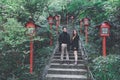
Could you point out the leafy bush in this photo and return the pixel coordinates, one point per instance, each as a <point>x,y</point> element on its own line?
<point>41,57</point>
<point>107,68</point>
<point>14,32</point>
<point>14,53</point>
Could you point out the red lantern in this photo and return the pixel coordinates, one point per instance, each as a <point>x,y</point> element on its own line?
<point>57,20</point>
<point>31,32</point>
<point>105,29</point>
<point>86,21</point>
<point>30,28</point>
<point>72,17</point>
<point>81,24</point>
<point>56,17</point>
<point>104,32</point>
<point>50,20</point>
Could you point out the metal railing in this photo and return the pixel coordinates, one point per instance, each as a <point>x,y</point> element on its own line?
<point>45,71</point>
<point>85,58</point>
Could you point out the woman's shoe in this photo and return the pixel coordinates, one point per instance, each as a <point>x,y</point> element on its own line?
<point>75,63</point>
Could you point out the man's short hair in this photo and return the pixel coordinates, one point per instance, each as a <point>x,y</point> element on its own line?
<point>63,27</point>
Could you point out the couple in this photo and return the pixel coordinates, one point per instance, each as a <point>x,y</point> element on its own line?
<point>65,43</point>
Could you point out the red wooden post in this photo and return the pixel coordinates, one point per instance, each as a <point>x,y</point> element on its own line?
<point>31,55</point>
<point>51,42</point>
<point>59,20</point>
<point>50,21</point>
<point>67,19</point>
<point>31,32</point>
<point>86,34</point>
<point>81,24</point>
<point>57,23</point>
<point>104,46</point>
<point>86,24</point>
<point>72,18</point>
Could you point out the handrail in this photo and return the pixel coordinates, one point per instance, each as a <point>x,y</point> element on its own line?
<point>48,64</point>
<point>85,57</point>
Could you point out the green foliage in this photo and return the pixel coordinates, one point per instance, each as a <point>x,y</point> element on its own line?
<point>14,45</point>
<point>107,68</point>
<point>14,56</point>
<point>14,33</point>
<point>35,8</point>
<point>77,5</point>
<point>22,9</point>
<point>12,65</point>
<point>55,5</point>
<point>9,8</point>
<point>99,11</point>
<point>41,58</point>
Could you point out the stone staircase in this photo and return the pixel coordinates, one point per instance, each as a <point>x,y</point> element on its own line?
<point>57,71</point>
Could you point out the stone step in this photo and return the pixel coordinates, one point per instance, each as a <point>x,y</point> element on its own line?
<point>70,57</point>
<point>70,61</point>
<point>71,51</point>
<point>65,66</point>
<point>65,77</point>
<point>70,54</point>
<point>67,71</point>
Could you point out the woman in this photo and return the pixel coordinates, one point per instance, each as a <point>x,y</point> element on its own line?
<point>75,45</point>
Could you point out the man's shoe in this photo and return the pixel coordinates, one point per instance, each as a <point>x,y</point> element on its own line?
<point>61,62</point>
<point>68,62</point>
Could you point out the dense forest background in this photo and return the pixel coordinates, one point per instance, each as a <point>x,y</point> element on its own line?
<point>14,44</point>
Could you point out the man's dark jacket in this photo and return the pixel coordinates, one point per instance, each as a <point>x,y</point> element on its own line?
<point>64,37</point>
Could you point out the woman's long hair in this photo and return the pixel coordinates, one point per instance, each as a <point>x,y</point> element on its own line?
<point>74,34</point>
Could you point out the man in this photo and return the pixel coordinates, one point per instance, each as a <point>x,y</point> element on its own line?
<point>64,42</point>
